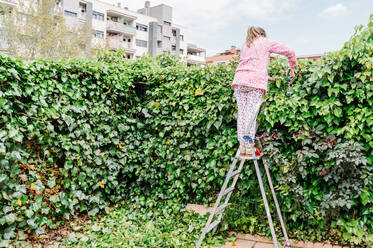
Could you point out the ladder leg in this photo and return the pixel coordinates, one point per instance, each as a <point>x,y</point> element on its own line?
<point>230,193</point>
<point>287,244</point>
<point>266,204</point>
<point>212,214</point>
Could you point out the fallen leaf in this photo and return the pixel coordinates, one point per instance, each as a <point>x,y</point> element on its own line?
<point>156,105</point>
<point>199,92</point>
<point>101,184</point>
<point>168,142</point>
<point>120,145</point>
<point>19,202</point>
<point>31,167</point>
<point>33,186</point>
<point>102,154</point>
<point>5,196</point>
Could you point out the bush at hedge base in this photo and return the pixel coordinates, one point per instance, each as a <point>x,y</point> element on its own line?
<point>77,136</point>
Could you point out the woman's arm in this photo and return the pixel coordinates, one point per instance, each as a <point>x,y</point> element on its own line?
<point>278,48</point>
<point>273,79</point>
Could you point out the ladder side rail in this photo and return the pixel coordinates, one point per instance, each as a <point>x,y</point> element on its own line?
<point>283,225</point>
<point>212,214</point>
<point>230,193</point>
<point>266,204</point>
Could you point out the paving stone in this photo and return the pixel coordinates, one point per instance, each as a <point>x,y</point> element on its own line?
<point>318,245</point>
<point>300,244</point>
<point>239,243</point>
<point>200,209</point>
<point>264,245</point>
<point>253,238</point>
<point>259,241</point>
<point>309,245</point>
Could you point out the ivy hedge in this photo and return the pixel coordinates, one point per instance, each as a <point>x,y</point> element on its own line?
<point>77,136</point>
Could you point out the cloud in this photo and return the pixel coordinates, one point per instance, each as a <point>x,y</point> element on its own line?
<point>335,10</point>
<point>206,19</point>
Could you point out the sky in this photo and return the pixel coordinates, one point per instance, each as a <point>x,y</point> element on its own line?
<point>308,26</point>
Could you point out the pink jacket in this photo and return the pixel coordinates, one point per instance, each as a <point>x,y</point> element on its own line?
<point>252,70</point>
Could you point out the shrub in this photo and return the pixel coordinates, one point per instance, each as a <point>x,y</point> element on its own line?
<point>79,135</point>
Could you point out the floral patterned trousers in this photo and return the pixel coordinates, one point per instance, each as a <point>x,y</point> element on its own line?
<point>248,104</point>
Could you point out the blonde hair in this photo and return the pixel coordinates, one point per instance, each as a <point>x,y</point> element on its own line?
<point>253,33</point>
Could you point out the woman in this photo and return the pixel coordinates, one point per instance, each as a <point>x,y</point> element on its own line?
<point>251,80</point>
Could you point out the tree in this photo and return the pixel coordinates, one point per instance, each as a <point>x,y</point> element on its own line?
<point>37,29</point>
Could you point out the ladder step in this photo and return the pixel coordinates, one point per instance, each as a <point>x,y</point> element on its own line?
<point>221,208</point>
<point>235,173</point>
<point>228,190</point>
<point>213,225</point>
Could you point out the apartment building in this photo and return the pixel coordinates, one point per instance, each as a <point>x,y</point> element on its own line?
<point>150,29</point>
<point>11,4</point>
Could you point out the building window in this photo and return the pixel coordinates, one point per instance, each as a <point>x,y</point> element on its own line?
<point>141,27</point>
<point>98,16</point>
<point>159,44</point>
<point>181,51</point>
<point>59,3</point>
<point>167,37</point>
<point>160,28</point>
<point>182,37</point>
<point>173,48</point>
<point>128,56</point>
<point>167,23</point>
<point>113,18</point>
<point>69,13</point>
<point>98,34</point>
<point>141,43</point>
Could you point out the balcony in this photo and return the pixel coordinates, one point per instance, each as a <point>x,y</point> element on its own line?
<point>114,43</point>
<point>173,40</point>
<point>196,59</point>
<point>121,13</point>
<point>82,16</point>
<point>120,28</point>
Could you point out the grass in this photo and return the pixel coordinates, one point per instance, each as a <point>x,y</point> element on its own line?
<point>166,225</point>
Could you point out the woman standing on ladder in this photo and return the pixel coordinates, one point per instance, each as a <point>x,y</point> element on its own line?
<point>250,82</point>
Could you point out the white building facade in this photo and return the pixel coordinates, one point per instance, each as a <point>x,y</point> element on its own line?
<point>148,30</point>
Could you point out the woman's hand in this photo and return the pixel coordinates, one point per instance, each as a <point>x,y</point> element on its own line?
<point>290,72</point>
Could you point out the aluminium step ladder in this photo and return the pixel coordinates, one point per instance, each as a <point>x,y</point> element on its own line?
<point>227,189</point>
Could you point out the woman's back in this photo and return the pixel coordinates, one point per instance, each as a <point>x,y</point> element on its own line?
<point>252,70</point>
